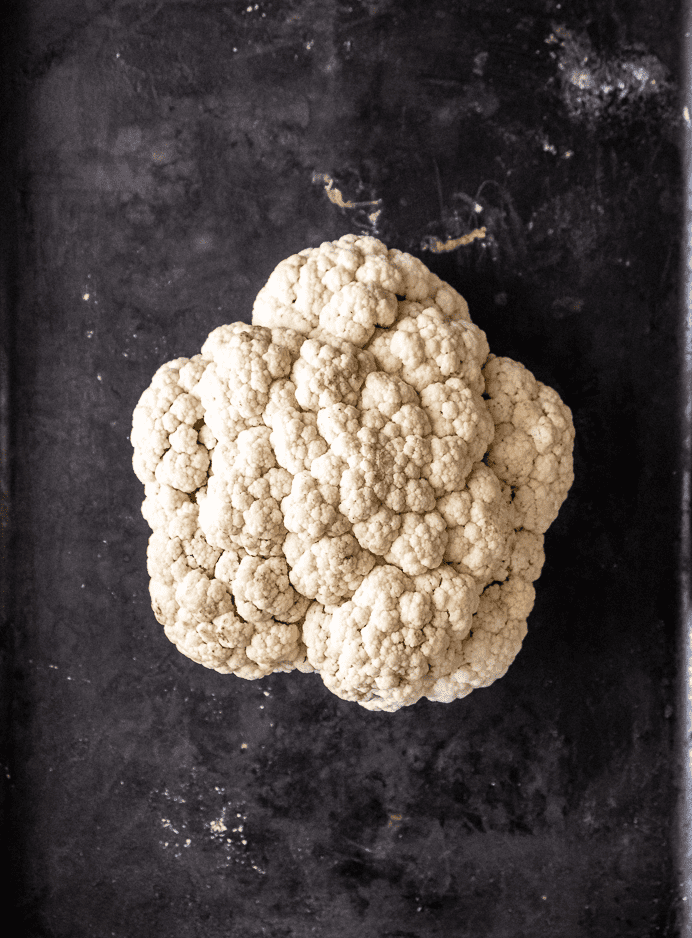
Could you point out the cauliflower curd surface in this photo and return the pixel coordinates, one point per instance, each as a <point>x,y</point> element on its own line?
<point>351,485</point>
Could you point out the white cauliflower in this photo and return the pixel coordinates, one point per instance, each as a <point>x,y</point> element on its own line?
<point>351,485</point>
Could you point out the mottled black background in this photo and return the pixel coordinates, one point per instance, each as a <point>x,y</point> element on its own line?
<point>160,158</point>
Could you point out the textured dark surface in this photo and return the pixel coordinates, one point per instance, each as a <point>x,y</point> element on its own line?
<point>163,158</point>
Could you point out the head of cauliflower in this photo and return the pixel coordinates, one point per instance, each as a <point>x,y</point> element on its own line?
<point>351,485</point>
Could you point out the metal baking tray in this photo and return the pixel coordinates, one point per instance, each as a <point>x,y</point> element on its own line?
<point>159,159</point>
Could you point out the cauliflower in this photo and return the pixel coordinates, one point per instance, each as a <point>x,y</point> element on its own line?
<point>351,485</point>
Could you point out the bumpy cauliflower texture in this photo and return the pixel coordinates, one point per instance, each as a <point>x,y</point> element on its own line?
<point>351,485</point>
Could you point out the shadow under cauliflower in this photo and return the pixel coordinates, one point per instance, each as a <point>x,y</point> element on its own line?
<point>351,485</point>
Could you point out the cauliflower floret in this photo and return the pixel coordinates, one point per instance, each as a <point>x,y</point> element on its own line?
<point>197,641</point>
<point>370,644</point>
<point>417,282</point>
<point>223,419</point>
<point>163,504</point>
<point>331,569</point>
<point>201,597</point>
<point>311,509</point>
<point>450,465</point>
<point>379,532</point>
<point>296,440</point>
<point>534,439</point>
<point>527,555</point>
<point>249,361</point>
<point>324,374</point>
<point>228,564</point>
<point>275,302</point>
<point>241,507</point>
<point>420,544</point>
<point>480,523</point>
<point>457,411</point>
<point>351,485</point>
<point>262,590</point>
<point>386,394</point>
<point>389,644</point>
<point>425,348</point>
<point>353,312</point>
<point>277,642</point>
<point>165,434</point>
<point>182,470</point>
<point>499,628</point>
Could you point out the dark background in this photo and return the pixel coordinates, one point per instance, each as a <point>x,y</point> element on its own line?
<point>159,160</point>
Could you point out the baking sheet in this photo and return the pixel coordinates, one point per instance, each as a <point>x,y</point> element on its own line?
<point>161,160</point>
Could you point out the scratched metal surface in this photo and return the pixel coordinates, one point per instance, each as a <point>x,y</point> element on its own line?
<point>164,157</point>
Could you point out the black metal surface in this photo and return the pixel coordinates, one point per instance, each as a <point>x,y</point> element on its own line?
<point>161,159</point>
